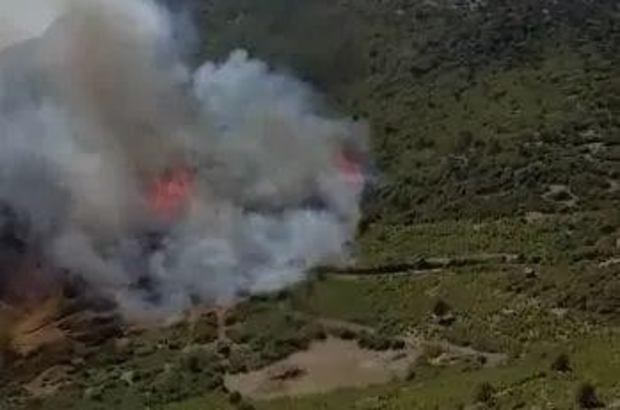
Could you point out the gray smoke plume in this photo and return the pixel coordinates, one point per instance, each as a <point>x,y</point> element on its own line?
<point>99,108</point>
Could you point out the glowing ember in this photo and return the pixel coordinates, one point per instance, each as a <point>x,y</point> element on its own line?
<point>171,191</point>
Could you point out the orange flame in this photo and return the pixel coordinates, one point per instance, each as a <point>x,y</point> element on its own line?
<point>171,191</point>
<point>350,164</point>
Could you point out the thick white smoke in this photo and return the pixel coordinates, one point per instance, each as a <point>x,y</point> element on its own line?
<point>24,19</point>
<point>99,107</point>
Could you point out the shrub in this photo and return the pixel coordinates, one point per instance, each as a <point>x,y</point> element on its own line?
<point>484,393</point>
<point>204,332</point>
<point>374,342</point>
<point>238,335</point>
<point>244,405</point>
<point>398,344</point>
<point>193,364</point>
<point>561,196</point>
<point>314,331</point>
<point>441,308</point>
<point>382,343</point>
<point>230,318</point>
<point>411,372</point>
<point>432,351</point>
<point>216,382</point>
<point>561,363</point>
<point>586,396</point>
<point>365,340</point>
<point>234,397</point>
<point>464,140</point>
<point>223,348</point>
<point>347,334</point>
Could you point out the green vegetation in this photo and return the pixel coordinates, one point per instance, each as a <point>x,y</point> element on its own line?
<point>548,238</point>
<point>476,111</point>
<point>561,363</point>
<point>586,397</point>
<point>496,140</point>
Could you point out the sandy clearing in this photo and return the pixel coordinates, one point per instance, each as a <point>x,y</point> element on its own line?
<point>327,365</point>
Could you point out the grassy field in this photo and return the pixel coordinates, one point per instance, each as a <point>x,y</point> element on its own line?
<point>489,316</point>
<point>530,312</point>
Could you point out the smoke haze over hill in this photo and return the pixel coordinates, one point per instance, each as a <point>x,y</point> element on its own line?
<point>158,185</point>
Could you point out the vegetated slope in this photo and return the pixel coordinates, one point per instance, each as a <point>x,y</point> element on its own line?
<point>495,130</point>
<point>500,112</point>
<point>496,139</point>
<point>478,108</point>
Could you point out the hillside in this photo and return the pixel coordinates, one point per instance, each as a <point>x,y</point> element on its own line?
<point>488,255</point>
<point>476,109</point>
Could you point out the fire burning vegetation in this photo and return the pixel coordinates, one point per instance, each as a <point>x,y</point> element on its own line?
<point>171,191</point>
<point>181,220</point>
<point>135,187</point>
<point>158,187</point>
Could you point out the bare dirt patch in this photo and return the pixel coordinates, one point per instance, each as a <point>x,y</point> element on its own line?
<point>561,194</point>
<point>327,365</point>
<point>49,381</point>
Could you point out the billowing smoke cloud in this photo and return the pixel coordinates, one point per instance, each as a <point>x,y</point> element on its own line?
<point>159,185</point>
<point>20,20</point>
